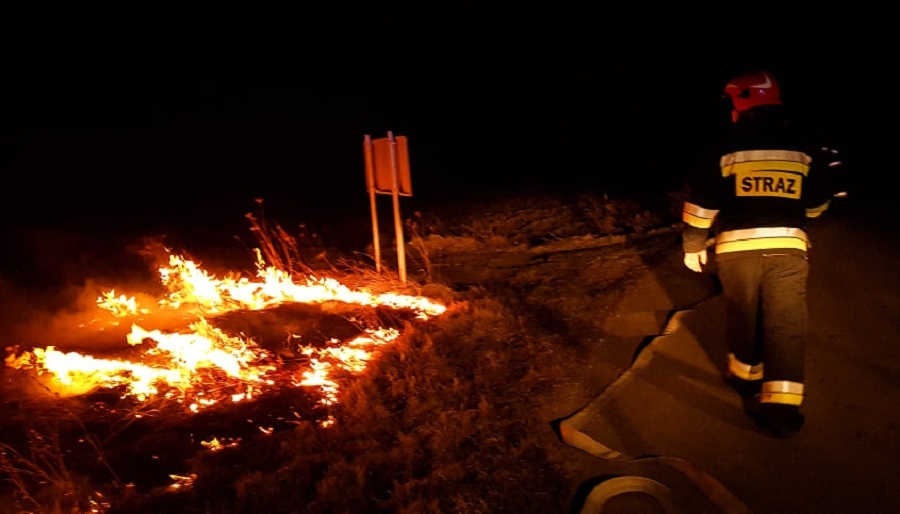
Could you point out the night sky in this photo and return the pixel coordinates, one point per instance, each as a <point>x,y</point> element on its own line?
<point>164,118</point>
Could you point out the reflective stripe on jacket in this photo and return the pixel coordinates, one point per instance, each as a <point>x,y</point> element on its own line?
<point>761,239</point>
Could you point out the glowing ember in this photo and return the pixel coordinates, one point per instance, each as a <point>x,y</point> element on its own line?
<point>203,366</point>
<point>215,444</point>
<point>182,482</point>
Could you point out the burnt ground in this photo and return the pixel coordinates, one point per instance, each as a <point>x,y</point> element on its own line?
<point>562,269</point>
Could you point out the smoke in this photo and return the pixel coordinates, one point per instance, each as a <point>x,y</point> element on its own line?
<point>49,293</point>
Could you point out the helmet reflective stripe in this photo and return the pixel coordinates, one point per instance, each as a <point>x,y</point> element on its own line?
<point>753,89</point>
<point>744,371</point>
<point>784,392</point>
<point>764,85</point>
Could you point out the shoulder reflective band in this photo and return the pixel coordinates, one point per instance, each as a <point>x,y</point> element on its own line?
<point>761,239</point>
<point>815,212</point>
<point>744,371</point>
<point>765,160</point>
<point>697,216</point>
<point>782,391</point>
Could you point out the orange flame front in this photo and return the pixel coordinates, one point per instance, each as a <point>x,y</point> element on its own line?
<point>183,365</point>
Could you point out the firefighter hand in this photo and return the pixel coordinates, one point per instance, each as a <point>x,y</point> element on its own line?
<point>695,260</point>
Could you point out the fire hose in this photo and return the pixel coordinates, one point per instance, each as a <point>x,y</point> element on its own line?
<point>711,487</point>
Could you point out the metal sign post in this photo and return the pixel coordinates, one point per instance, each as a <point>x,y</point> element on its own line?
<point>370,187</point>
<point>387,172</point>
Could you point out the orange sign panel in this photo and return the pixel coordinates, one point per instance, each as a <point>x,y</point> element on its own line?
<point>384,170</point>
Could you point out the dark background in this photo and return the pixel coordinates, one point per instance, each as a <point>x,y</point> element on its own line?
<point>136,120</point>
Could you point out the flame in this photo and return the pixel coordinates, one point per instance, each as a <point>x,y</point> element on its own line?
<point>120,306</point>
<point>203,366</point>
<point>188,284</point>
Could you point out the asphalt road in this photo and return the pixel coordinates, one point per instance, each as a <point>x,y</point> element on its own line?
<point>670,429</point>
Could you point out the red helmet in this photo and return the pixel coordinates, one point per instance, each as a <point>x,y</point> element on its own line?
<point>752,89</point>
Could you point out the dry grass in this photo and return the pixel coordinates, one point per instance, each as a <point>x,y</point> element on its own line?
<point>444,421</point>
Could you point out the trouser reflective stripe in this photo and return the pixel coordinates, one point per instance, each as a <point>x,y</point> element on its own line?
<point>744,371</point>
<point>782,391</point>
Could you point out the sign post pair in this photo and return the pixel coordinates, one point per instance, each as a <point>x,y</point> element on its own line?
<point>387,172</point>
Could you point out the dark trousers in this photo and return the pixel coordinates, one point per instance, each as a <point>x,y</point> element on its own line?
<point>766,311</point>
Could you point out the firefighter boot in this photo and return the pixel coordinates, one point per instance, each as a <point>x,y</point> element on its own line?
<point>749,391</point>
<point>743,387</point>
<point>780,420</point>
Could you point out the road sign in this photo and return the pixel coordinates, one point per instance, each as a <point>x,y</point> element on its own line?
<point>384,166</point>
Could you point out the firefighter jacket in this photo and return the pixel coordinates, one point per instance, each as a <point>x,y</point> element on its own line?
<point>758,190</point>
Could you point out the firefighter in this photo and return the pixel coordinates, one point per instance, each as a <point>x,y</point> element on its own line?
<point>752,201</point>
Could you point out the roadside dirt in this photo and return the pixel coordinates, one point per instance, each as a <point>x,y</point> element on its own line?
<point>602,299</point>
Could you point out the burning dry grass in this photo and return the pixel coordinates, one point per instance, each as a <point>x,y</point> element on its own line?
<point>443,420</point>
<point>439,423</point>
<point>225,340</point>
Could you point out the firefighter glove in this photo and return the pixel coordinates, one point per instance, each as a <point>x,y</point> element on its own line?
<point>694,260</point>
